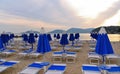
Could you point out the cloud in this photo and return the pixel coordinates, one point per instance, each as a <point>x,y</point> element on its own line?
<point>107,14</point>
<point>44,10</point>
<point>52,14</point>
<point>12,20</point>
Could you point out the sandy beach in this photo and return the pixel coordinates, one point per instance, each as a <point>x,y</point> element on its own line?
<point>72,68</point>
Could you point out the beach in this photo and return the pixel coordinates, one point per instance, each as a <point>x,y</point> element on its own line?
<point>72,68</point>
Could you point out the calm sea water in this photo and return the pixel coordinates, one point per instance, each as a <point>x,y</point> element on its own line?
<point>112,37</point>
<point>86,36</point>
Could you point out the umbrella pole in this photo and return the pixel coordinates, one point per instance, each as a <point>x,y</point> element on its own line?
<point>43,57</point>
<point>103,60</point>
<point>72,43</point>
<point>32,45</point>
<point>63,48</point>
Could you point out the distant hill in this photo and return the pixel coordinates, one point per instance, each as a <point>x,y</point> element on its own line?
<point>31,31</point>
<point>57,31</point>
<point>109,29</point>
<point>73,30</point>
<point>79,30</point>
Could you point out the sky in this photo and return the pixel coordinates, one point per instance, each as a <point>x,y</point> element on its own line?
<point>22,15</point>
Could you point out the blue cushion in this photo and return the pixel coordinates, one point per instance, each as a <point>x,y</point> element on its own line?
<point>28,51</point>
<point>58,52</point>
<point>90,68</point>
<point>8,63</point>
<point>70,52</point>
<point>114,69</point>
<point>11,50</point>
<point>45,63</point>
<point>56,67</point>
<point>37,65</point>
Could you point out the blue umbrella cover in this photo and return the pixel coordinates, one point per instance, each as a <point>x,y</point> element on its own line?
<point>31,39</point>
<point>49,37</point>
<point>58,36</point>
<point>43,44</point>
<point>72,38</point>
<point>1,44</point>
<point>64,40</point>
<point>103,46</point>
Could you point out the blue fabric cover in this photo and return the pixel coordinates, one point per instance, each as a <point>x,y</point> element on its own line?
<point>90,68</point>
<point>45,63</point>
<point>37,65</point>
<point>71,52</point>
<point>11,50</point>
<point>58,52</point>
<point>8,63</point>
<point>28,51</point>
<point>114,69</point>
<point>43,44</point>
<point>103,45</point>
<point>57,67</point>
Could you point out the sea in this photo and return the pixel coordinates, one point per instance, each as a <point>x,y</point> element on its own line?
<point>86,36</point>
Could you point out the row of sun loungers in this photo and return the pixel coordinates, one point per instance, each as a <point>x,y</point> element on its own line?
<point>102,69</point>
<point>35,67</point>
<point>59,56</point>
<point>92,56</point>
<point>7,64</point>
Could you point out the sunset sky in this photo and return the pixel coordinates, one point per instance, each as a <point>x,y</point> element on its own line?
<point>22,15</point>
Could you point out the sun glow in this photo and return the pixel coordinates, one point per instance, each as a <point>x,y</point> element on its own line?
<point>113,21</point>
<point>89,8</point>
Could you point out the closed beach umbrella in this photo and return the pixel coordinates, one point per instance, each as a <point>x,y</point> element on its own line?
<point>58,36</point>
<point>49,37</point>
<point>5,39</point>
<point>54,36</point>
<point>25,38</point>
<point>1,44</point>
<point>64,40</point>
<point>43,44</point>
<point>36,35</point>
<point>103,46</point>
<point>72,38</point>
<point>94,35</point>
<point>31,39</point>
<point>77,35</point>
<point>11,36</point>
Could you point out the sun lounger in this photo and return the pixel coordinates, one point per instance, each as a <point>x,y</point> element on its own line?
<point>114,70</point>
<point>71,57</point>
<point>90,69</point>
<point>112,56</point>
<point>53,47</point>
<point>76,48</point>
<point>33,68</point>
<point>94,58</point>
<point>7,52</point>
<point>2,60</point>
<point>23,47</point>
<point>7,64</point>
<point>56,69</point>
<point>25,53</point>
<point>35,54</point>
<point>57,56</point>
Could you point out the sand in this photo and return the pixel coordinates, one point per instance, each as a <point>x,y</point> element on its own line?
<point>72,68</point>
